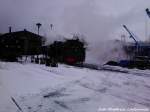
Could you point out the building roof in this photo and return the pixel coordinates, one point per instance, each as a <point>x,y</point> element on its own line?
<point>21,34</point>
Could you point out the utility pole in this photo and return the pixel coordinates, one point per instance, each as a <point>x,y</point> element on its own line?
<point>51,25</point>
<point>146,23</point>
<point>38,25</point>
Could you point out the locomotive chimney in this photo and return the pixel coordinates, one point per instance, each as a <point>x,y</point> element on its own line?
<point>10,29</point>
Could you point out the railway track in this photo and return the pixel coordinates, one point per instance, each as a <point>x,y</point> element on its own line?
<point>108,68</point>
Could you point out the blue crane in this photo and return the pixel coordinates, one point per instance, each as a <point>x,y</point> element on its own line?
<point>133,37</point>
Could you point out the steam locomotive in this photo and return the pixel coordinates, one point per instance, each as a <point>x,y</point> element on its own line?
<point>70,51</point>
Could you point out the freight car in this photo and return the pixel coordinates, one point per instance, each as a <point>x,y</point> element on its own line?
<point>71,51</point>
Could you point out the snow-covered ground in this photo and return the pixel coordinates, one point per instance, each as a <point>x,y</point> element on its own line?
<point>38,88</point>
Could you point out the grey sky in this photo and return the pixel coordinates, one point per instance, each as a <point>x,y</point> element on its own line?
<point>96,19</point>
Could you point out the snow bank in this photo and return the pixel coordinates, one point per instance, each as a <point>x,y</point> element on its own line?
<point>70,89</point>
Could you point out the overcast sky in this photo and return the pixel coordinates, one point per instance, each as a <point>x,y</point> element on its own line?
<point>96,19</point>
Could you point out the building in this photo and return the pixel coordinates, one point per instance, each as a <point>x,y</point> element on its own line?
<point>15,44</point>
<point>141,50</point>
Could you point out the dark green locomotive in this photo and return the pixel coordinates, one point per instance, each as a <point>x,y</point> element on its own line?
<point>71,51</point>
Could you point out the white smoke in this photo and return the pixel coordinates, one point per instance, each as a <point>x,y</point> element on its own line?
<point>97,29</point>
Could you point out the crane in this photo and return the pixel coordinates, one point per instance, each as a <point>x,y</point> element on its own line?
<point>133,37</point>
<point>131,34</point>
